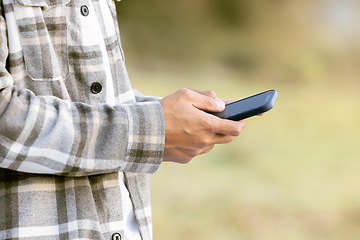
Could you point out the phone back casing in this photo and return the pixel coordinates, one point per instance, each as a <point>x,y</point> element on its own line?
<point>244,108</point>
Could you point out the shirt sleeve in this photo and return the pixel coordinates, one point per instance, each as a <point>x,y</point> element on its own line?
<point>47,135</point>
<point>145,98</point>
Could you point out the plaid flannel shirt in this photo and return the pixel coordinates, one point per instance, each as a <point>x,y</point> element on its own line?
<point>61,146</point>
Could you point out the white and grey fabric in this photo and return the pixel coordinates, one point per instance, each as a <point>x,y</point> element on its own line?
<point>62,147</point>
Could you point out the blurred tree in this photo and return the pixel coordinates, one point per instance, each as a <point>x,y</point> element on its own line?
<point>298,39</point>
<point>230,13</point>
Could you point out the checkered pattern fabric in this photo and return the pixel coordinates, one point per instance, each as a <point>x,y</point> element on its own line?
<point>61,146</point>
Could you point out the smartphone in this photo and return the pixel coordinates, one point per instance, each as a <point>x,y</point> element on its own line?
<point>248,107</point>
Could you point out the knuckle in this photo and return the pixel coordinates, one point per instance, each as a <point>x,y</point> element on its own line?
<point>204,143</point>
<point>185,92</point>
<point>182,90</point>
<point>186,160</point>
<point>238,129</point>
<point>229,139</point>
<point>208,149</point>
<point>190,156</point>
<point>209,101</point>
<point>198,152</point>
<point>200,144</point>
<point>211,94</point>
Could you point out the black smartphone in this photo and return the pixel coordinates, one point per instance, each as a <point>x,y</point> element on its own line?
<point>248,107</point>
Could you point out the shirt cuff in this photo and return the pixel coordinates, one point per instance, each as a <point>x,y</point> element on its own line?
<point>146,137</point>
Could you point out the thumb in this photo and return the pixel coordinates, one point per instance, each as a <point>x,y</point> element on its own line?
<point>208,104</point>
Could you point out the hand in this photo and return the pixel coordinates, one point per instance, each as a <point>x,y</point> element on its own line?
<point>189,130</point>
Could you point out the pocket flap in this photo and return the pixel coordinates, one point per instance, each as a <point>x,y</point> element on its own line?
<point>46,4</point>
<point>45,53</point>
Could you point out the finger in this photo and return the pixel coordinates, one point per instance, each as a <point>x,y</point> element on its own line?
<point>228,127</point>
<point>211,94</point>
<point>222,139</point>
<point>208,149</point>
<point>204,100</point>
<point>207,103</point>
<point>226,101</point>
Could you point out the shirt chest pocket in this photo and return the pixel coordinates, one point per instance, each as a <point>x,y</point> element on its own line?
<point>43,36</point>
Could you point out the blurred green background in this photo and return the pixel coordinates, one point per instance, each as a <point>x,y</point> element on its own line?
<point>293,173</point>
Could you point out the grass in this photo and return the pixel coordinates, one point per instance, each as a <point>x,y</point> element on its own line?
<point>293,174</point>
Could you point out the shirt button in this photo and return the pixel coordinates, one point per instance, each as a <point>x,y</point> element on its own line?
<point>96,88</point>
<point>116,236</point>
<point>84,10</point>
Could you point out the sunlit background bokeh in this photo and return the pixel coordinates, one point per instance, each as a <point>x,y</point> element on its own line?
<point>293,173</point>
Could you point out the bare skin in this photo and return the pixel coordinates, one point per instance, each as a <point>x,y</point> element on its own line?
<point>189,130</point>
